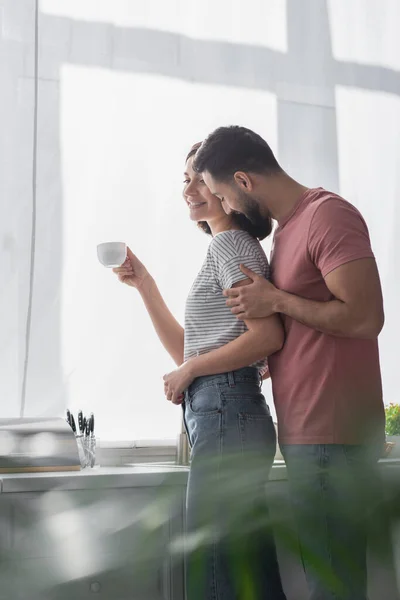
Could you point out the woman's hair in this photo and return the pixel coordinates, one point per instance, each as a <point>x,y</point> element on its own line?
<point>259,231</point>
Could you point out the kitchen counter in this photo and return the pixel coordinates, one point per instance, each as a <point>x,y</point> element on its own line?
<point>97,478</point>
<point>135,475</point>
<point>134,515</point>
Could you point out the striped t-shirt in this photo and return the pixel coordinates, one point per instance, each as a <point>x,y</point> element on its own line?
<point>209,323</point>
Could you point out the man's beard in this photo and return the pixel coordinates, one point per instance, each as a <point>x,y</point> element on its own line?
<point>250,208</point>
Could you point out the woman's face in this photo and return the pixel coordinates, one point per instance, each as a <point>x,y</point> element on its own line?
<point>203,205</point>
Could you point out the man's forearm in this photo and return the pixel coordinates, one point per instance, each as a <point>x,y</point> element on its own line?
<point>245,350</point>
<point>332,317</point>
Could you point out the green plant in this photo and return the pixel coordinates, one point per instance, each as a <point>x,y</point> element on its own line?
<point>392,413</point>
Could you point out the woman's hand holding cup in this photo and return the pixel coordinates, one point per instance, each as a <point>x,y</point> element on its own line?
<point>132,271</point>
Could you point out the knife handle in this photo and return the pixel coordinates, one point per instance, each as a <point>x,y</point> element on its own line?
<point>80,421</point>
<point>68,417</point>
<point>92,423</point>
<point>73,423</point>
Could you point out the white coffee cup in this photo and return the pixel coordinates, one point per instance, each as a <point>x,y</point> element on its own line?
<point>111,254</point>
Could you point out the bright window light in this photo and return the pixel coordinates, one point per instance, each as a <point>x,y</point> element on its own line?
<point>366,31</point>
<point>369,157</point>
<point>124,138</point>
<point>258,23</point>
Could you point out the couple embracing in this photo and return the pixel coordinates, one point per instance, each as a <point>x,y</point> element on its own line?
<point>310,319</point>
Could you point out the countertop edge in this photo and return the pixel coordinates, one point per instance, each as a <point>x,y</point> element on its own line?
<point>119,477</point>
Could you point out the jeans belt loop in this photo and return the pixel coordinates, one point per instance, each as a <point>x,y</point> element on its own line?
<point>231,379</point>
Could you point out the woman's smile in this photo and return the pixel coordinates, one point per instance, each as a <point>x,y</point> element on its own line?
<point>195,205</point>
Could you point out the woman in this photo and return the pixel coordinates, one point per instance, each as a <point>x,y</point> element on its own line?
<point>220,359</point>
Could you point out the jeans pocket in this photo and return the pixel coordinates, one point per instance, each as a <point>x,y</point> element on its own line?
<point>205,402</point>
<point>203,417</point>
<point>257,434</point>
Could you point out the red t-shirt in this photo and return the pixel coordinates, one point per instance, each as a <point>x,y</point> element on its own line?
<point>327,390</point>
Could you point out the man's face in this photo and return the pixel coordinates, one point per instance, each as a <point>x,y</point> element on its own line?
<point>235,199</point>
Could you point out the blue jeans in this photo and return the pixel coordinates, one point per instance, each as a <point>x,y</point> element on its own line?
<point>230,549</point>
<point>334,491</point>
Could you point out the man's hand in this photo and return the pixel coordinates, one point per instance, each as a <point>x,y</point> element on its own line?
<point>253,301</point>
<point>177,382</point>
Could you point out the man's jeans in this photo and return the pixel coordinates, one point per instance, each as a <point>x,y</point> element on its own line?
<point>334,491</point>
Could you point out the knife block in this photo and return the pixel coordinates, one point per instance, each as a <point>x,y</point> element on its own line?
<point>30,445</point>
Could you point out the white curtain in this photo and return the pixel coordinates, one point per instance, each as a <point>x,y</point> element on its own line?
<point>100,101</point>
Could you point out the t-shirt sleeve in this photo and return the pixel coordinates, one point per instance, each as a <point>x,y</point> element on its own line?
<point>338,235</point>
<point>229,252</point>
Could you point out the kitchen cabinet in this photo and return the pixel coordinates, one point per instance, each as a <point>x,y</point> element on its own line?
<point>106,543</point>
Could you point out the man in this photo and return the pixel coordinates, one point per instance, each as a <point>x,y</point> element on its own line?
<point>326,380</point>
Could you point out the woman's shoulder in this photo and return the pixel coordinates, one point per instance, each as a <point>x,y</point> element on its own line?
<point>234,242</point>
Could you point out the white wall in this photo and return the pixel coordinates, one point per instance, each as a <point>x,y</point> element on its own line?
<point>123,90</point>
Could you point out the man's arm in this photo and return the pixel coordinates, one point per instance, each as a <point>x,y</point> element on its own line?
<point>339,246</point>
<point>356,310</point>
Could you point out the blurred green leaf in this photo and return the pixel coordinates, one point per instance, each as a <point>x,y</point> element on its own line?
<point>392,413</point>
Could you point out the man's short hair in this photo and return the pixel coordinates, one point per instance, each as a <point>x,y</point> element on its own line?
<point>230,149</point>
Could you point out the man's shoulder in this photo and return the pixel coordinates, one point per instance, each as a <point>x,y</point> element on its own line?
<point>327,203</point>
